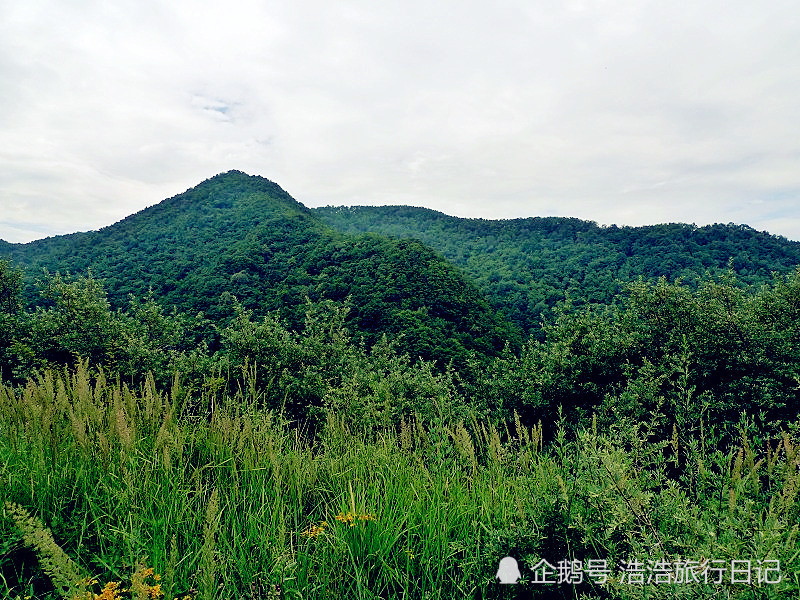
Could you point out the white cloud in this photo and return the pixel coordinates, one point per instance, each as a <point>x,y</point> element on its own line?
<point>613,110</point>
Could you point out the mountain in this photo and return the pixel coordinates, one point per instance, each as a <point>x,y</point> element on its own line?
<point>526,266</point>
<point>243,236</point>
<point>449,285</point>
<point>170,245</point>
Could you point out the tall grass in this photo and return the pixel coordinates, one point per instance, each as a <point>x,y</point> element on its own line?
<point>223,499</point>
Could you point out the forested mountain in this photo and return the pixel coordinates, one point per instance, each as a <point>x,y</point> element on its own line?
<point>180,247</point>
<point>527,265</point>
<point>242,236</point>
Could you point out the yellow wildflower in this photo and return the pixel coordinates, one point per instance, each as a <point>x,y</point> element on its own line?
<point>313,531</point>
<point>110,591</point>
<point>351,518</point>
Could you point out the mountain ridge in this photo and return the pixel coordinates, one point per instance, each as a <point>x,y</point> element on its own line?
<point>527,265</point>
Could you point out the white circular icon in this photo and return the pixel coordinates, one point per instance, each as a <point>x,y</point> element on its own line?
<point>508,571</point>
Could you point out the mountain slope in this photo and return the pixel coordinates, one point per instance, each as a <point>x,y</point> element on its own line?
<point>163,245</point>
<point>527,265</point>
<point>240,235</point>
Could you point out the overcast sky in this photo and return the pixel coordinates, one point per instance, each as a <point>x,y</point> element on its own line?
<point>617,111</point>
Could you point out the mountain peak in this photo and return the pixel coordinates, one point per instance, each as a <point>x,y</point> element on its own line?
<point>236,182</point>
<point>235,175</point>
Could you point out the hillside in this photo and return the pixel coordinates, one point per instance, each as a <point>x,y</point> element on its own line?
<point>527,265</point>
<point>177,247</point>
<point>244,236</point>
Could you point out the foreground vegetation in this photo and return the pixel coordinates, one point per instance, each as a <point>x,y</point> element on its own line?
<point>146,453</point>
<point>233,503</point>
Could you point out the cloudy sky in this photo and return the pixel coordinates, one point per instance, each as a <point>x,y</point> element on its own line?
<point>618,111</point>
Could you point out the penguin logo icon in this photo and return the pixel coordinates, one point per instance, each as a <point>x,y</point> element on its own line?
<point>508,571</point>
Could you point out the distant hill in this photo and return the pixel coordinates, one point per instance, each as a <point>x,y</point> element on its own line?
<point>244,236</point>
<point>525,266</point>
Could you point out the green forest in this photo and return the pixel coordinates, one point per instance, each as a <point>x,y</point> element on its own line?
<point>228,395</point>
<point>526,266</point>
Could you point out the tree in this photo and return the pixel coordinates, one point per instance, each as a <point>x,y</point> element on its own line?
<point>10,288</point>
<point>77,323</point>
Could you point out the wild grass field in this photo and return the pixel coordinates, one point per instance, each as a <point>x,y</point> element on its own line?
<point>112,492</point>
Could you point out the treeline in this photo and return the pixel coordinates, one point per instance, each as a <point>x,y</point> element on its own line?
<point>692,362</point>
<point>300,372</point>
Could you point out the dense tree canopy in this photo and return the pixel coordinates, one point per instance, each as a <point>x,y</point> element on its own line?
<point>526,266</point>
